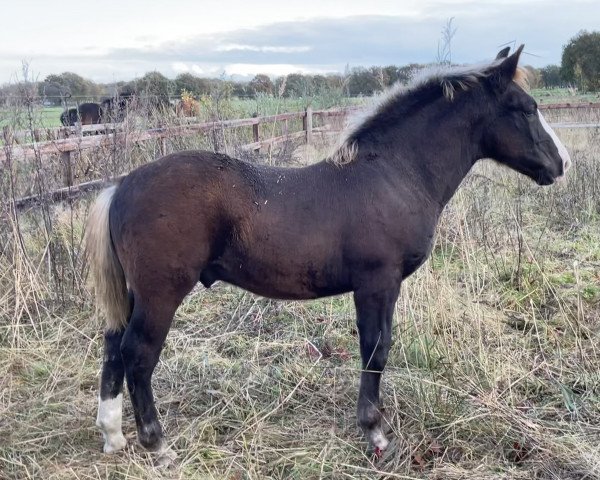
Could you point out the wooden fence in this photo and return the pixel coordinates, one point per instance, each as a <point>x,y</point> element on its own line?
<point>65,140</point>
<point>112,135</point>
<point>109,134</point>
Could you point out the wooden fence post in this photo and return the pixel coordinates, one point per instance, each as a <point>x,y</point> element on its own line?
<point>7,134</point>
<point>307,125</point>
<point>65,160</point>
<point>63,133</point>
<point>256,132</point>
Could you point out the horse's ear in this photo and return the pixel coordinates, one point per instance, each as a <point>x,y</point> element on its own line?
<point>504,73</point>
<point>503,53</point>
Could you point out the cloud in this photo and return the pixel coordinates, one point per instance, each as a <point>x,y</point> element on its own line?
<point>254,48</point>
<point>331,41</point>
<point>383,40</point>
<point>180,67</point>
<point>251,69</point>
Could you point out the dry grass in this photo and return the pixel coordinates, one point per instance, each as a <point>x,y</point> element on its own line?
<point>493,374</point>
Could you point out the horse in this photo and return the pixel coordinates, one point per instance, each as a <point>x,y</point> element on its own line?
<point>187,107</point>
<point>86,113</point>
<point>361,220</point>
<point>69,117</point>
<point>114,109</point>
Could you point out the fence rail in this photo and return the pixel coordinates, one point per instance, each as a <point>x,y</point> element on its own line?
<point>564,106</point>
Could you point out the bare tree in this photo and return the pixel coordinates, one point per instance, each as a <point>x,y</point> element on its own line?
<point>444,54</point>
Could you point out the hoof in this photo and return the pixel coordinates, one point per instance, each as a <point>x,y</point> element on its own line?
<point>370,419</point>
<point>165,457</point>
<point>378,441</point>
<point>115,443</point>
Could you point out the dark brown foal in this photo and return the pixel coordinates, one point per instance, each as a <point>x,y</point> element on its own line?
<point>361,221</point>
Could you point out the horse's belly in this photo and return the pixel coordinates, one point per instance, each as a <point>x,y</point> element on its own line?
<point>275,281</point>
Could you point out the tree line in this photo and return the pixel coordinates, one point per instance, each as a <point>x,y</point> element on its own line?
<point>580,67</point>
<point>58,89</point>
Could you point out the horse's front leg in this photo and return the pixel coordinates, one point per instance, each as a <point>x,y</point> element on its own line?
<point>374,311</point>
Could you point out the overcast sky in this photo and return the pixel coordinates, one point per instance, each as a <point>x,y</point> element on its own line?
<point>119,40</point>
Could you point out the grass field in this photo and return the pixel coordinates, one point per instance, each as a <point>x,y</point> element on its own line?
<point>49,117</point>
<point>494,373</point>
<point>563,95</point>
<point>41,117</point>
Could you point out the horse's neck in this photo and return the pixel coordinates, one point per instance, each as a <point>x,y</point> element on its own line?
<point>434,162</point>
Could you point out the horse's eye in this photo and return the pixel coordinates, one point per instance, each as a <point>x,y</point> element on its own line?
<point>529,113</point>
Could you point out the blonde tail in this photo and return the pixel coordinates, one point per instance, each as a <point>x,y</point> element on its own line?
<point>109,278</point>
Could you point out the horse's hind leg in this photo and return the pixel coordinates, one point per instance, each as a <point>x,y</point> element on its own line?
<point>375,311</point>
<point>110,401</point>
<point>140,349</point>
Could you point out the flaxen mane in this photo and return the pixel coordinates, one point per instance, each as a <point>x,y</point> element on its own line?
<point>450,79</point>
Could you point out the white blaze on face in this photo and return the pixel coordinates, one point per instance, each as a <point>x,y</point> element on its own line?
<point>562,151</point>
<point>109,420</point>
